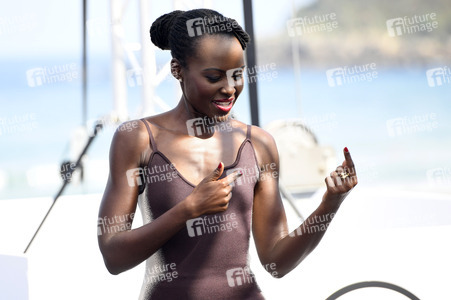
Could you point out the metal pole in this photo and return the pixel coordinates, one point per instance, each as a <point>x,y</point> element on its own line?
<point>149,65</point>
<point>251,60</point>
<point>84,68</point>
<point>118,65</point>
<point>296,62</point>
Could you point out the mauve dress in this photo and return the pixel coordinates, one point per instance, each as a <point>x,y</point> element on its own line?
<point>208,258</point>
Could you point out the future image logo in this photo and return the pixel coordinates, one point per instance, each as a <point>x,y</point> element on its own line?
<point>35,77</point>
<point>195,27</point>
<point>135,177</point>
<point>312,24</point>
<point>200,26</point>
<point>140,176</point>
<point>438,76</point>
<point>211,224</point>
<point>251,175</point>
<point>48,75</point>
<point>18,124</point>
<point>161,273</point>
<point>205,125</point>
<point>411,125</point>
<point>239,276</point>
<point>350,75</point>
<point>409,25</point>
<point>313,225</point>
<point>237,76</point>
<point>114,224</point>
<point>13,24</point>
<point>439,177</point>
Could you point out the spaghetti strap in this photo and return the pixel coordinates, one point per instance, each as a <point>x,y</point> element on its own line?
<point>153,145</point>
<point>248,134</point>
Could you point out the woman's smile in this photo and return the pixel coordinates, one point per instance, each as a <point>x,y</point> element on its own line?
<point>224,105</point>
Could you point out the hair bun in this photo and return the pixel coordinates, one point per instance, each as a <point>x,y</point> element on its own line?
<point>160,29</point>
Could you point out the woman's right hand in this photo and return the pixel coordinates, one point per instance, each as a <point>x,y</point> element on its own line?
<point>211,195</point>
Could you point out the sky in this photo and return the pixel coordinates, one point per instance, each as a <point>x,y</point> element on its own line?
<point>53,27</point>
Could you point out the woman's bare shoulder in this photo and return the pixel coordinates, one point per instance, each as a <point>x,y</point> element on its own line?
<point>261,137</point>
<point>264,145</point>
<point>131,137</point>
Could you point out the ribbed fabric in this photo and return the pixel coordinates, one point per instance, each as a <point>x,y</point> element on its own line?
<point>207,259</point>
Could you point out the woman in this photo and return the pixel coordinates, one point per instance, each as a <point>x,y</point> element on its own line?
<point>198,214</point>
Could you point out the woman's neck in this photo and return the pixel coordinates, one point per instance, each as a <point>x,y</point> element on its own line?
<point>184,114</point>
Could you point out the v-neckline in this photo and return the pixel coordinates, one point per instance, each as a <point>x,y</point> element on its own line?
<point>237,158</point>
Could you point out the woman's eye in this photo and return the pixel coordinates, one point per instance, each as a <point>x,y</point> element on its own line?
<point>213,78</point>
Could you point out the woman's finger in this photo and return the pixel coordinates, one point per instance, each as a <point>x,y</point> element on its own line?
<point>330,183</point>
<point>229,196</point>
<point>348,161</point>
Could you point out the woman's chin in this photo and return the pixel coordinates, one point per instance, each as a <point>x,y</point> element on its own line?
<point>222,117</point>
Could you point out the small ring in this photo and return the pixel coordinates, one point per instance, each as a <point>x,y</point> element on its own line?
<point>343,175</point>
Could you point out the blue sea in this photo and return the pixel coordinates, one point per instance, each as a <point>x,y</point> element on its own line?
<point>397,126</point>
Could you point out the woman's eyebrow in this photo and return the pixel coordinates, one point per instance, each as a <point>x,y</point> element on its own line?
<point>223,71</point>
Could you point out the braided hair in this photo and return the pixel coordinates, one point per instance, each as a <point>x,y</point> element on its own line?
<point>170,31</point>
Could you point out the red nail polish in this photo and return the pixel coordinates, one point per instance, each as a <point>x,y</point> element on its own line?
<point>346,149</point>
<point>219,166</point>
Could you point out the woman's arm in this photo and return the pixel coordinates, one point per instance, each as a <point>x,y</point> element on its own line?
<point>275,245</point>
<point>125,249</point>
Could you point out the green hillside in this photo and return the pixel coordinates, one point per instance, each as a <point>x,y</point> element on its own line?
<point>362,34</point>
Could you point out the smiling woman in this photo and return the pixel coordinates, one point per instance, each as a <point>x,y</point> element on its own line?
<point>184,217</point>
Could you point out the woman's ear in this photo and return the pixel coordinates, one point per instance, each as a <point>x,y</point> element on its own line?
<point>176,69</point>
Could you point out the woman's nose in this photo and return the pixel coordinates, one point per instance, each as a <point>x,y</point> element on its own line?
<point>228,89</point>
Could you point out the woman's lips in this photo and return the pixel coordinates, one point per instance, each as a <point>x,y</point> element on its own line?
<point>224,104</point>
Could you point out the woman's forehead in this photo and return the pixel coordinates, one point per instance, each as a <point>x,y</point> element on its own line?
<point>221,51</point>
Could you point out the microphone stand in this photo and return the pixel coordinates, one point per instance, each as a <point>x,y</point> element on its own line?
<point>67,177</point>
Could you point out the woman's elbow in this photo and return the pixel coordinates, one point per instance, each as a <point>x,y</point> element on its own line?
<point>111,262</point>
<point>112,268</point>
<point>278,274</point>
<point>274,270</point>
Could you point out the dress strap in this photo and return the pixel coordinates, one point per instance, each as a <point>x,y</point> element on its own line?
<point>153,145</point>
<point>248,134</point>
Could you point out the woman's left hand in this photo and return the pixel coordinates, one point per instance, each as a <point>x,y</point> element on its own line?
<point>340,182</point>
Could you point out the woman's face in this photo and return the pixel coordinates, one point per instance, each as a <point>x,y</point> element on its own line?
<point>214,77</point>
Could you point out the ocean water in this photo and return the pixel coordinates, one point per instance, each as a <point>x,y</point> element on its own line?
<point>397,126</point>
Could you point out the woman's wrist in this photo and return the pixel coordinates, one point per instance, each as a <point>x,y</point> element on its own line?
<point>330,202</point>
<point>186,210</point>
